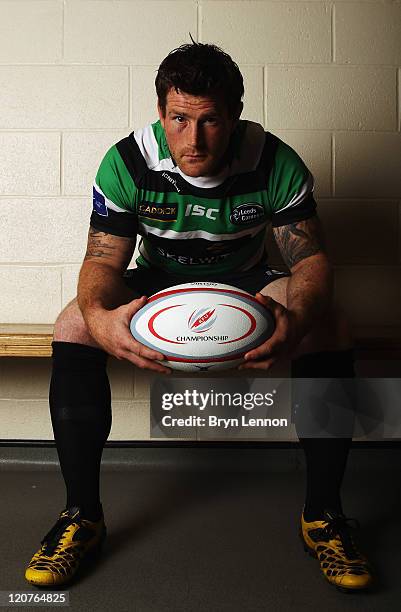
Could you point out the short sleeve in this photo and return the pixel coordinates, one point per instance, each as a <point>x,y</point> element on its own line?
<point>290,188</point>
<point>114,196</point>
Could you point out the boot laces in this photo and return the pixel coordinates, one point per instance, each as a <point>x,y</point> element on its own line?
<point>52,540</point>
<point>339,526</point>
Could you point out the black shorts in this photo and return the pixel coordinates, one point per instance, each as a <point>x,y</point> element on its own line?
<point>145,281</point>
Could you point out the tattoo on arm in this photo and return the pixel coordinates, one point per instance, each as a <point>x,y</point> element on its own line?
<point>97,245</point>
<point>299,240</point>
<point>115,251</point>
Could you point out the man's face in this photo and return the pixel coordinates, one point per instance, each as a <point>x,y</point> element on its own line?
<point>198,130</point>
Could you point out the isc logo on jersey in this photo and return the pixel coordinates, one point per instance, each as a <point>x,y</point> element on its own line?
<point>196,210</point>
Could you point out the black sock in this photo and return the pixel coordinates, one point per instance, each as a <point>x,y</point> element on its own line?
<point>325,466</point>
<point>80,407</point>
<point>326,457</point>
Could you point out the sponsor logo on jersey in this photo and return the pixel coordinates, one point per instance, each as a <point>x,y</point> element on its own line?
<point>246,213</point>
<point>161,212</point>
<point>188,260</point>
<point>201,320</point>
<point>99,204</point>
<point>196,210</point>
<point>171,180</point>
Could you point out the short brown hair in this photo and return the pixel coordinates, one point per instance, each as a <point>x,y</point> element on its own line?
<point>200,70</point>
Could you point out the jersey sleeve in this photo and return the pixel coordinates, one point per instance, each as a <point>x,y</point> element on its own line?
<point>290,188</point>
<point>114,196</point>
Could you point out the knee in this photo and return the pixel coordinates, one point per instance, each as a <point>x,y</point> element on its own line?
<point>71,327</point>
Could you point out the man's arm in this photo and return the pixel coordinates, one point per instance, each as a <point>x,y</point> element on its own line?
<point>309,291</point>
<point>310,287</point>
<point>100,278</point>
<point>106,302</point>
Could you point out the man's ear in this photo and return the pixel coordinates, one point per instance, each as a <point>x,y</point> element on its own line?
<point>161,115</point>
<point>237,115</point>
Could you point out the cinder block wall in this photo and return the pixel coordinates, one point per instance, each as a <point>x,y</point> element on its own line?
<point>77,75</point>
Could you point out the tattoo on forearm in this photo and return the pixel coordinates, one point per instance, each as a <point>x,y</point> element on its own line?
<point>299,240</point>
<point>97,245</point>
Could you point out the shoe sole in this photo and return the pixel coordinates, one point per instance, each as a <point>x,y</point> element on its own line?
<point>312,553</point>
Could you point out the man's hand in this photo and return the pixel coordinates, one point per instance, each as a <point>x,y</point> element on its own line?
<point>110,329</point>
<point>281,344</point>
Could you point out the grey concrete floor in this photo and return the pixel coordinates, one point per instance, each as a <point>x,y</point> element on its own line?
<point>217,536</point>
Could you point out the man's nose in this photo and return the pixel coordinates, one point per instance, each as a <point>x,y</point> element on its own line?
<point>195,135</point>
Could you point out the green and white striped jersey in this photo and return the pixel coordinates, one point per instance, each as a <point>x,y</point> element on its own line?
<point>194,225</point>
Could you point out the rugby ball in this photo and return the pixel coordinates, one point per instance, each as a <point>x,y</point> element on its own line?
<point>202,326</point>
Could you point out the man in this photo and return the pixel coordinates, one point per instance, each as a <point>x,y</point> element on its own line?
<point>200,186</point>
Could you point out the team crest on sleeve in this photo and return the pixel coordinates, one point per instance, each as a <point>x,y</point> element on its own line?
<point>246,213</point>
<point>99,203</point>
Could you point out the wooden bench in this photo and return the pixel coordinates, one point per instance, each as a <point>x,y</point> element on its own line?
<point>27,340</point>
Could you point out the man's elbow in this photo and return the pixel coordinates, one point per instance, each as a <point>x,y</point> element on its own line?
<point>92,264</point>
<point>317,262</point>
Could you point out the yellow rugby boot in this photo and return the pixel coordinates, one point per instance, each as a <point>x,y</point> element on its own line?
<point>330,540</point>
<point>64,547</point>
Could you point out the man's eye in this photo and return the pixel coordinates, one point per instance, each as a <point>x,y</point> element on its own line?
<point>181,119</point>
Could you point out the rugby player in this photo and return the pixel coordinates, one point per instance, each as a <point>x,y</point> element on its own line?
<point>200,186</point>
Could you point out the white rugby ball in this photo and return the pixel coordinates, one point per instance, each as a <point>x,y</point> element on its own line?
<point>202,326</point>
